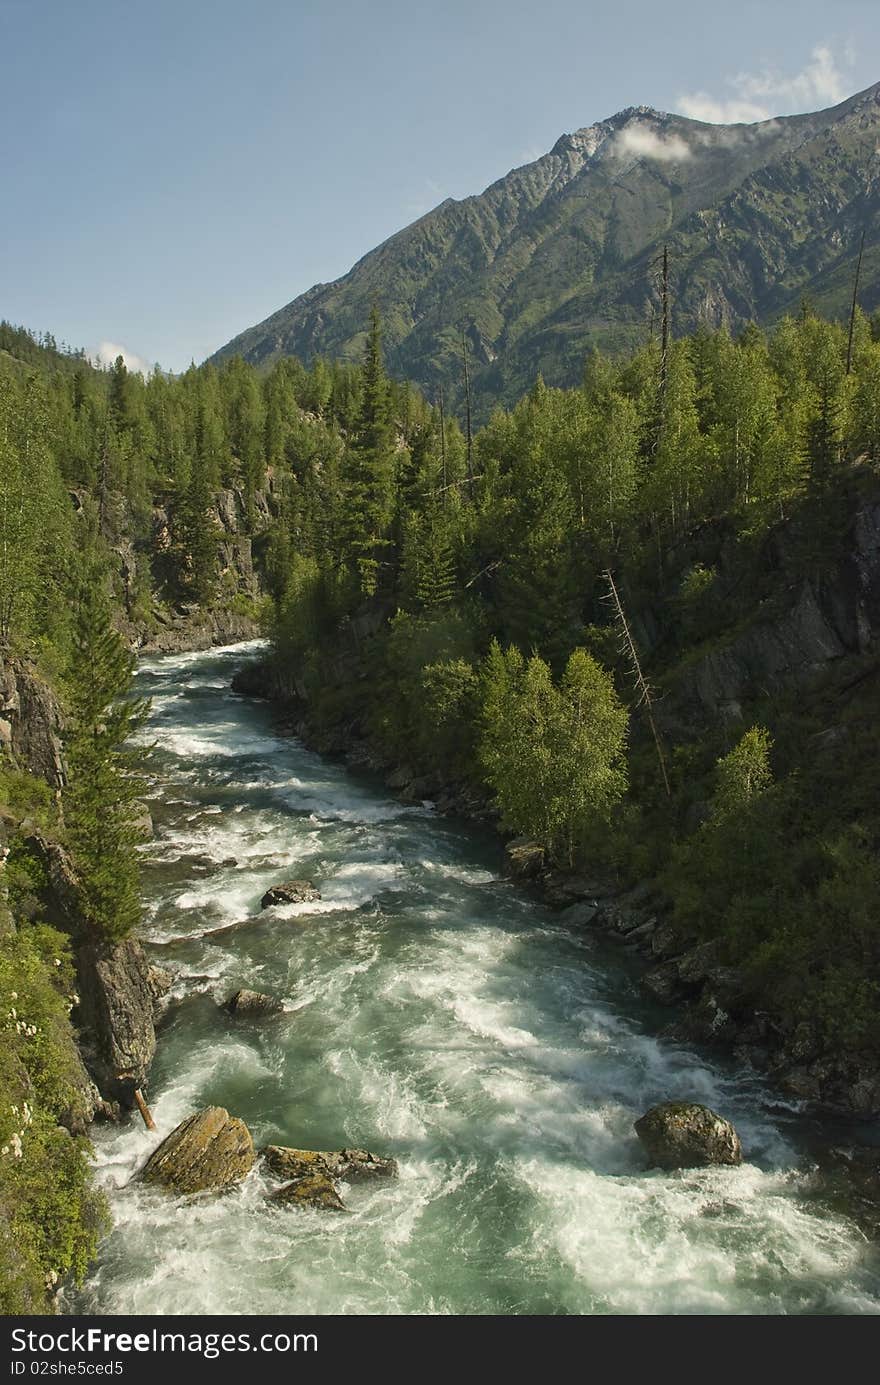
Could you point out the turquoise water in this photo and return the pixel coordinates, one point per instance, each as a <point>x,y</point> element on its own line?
<point>434,1013</point>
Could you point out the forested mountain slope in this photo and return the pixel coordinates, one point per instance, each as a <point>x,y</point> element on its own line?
<point>561,255</point>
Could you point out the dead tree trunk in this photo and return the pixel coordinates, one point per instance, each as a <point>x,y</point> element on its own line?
<point>467,406</point>
<point>628,647</point>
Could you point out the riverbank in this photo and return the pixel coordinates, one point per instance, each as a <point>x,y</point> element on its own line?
<point>709,999</point>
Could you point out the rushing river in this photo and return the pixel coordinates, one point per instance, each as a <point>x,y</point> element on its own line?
<point>434,1013</point>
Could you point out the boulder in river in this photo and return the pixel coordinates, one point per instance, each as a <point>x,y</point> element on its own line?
<point>315,1190</point>
<point>245,1003</point>
<point>291,892</point>
<point>348,1164</point>
<point>685,1135</point>
<point>525,858</point>
<point>207,1152</point>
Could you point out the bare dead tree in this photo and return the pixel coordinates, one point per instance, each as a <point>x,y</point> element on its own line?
<point>442,436</point>
<point>467,405</point>
<point>664,327</point>
<point>855,304</point>
<point>640,682</point>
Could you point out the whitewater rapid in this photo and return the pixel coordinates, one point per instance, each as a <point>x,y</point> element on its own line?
<point>436,1014</point>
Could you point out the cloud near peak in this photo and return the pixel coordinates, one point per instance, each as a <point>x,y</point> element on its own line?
<point>643,142</point>
<point>760,95</point>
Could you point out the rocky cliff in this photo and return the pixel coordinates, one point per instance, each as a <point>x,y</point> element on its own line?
<point>114,1039</point>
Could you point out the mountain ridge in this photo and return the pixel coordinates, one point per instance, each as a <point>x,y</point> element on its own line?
<point>557,255</point>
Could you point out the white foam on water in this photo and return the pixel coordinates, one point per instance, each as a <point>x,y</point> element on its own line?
<point>436,1015</point>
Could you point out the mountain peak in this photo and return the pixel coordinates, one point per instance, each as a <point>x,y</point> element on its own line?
<point>558,256</point>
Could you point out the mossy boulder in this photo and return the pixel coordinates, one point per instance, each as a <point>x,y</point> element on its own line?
<point>686,1135</point>
<point>314,1190</point>
<point>207,1152</point>
<point>348,1164</point>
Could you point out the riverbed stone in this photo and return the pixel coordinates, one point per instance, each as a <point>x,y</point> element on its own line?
<point>685,1135</point>
<point>314,1190</point>
<point>351,1165</point>
<point>290,892</point>
<point>247,1004</point>
<point>207,1152</point>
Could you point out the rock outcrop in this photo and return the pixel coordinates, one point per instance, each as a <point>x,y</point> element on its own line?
<point>252,1004</point>
<point>350,1165</point>
<point>686,1135</point>
<point>811,625</point>
<point>30,721</point>
<point>207,1152</point>
<point>115,1015</point>
<point>290,892</point>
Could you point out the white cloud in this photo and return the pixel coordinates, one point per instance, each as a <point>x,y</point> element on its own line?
<point>645,143</point>
<point>107,352</point>
<point>760,95</point>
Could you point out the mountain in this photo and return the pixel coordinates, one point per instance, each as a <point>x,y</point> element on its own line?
<point>561,255</point>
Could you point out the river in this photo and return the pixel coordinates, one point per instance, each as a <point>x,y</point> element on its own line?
<point>435,1013</point>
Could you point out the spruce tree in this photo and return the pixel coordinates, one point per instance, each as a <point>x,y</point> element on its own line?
<point>370,472</point>
<point>103,783</point>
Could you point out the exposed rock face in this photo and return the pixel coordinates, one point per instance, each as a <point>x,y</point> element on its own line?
<point>315,1190</point>
<point>252,1003</point>
<point>685,1135</point>
<point>30,721</point>
<point>205,1153</point>
<point>291,892</point>
<point>116,1015</point>
<point>823,620</point>
<point>348,1164</point>
<point>63,904</point>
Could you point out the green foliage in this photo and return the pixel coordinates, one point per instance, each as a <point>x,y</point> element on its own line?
<point>743,774</point>
<point>103,781</point>
<point>49,1215</point>
<point>554,756</point>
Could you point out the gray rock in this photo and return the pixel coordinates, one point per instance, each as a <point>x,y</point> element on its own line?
<point>663,983</point>
<point>641,936</point>
<point>399,778</point>
<point>666,941</point>
<point>116,1016</point>
<point>252,1004</point>
<point>207,1152</point>
<point>352,1165</point>
<point>160,980</point>
<point>685,1135</point>
<point>579,915</point>
<point>290,892</point>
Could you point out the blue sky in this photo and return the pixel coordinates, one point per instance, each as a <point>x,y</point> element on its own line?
<point>175,171</point>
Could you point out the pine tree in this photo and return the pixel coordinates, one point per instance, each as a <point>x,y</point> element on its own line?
<point>102,781</point>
